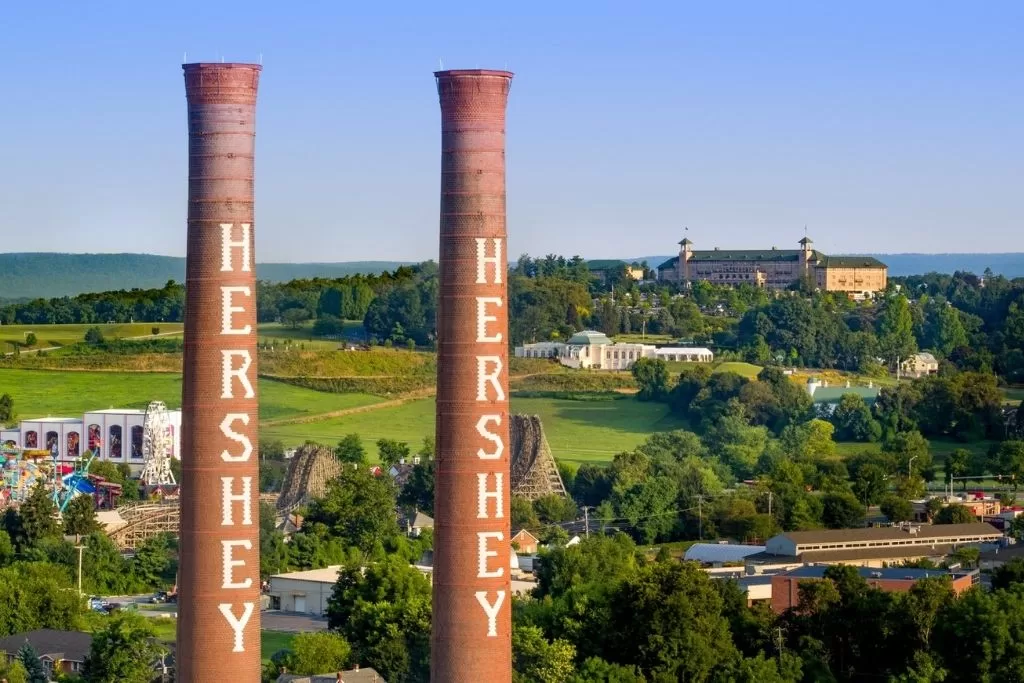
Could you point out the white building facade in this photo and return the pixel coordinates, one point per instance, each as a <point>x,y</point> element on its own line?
<point>591,349</point>
<point>116,432</point>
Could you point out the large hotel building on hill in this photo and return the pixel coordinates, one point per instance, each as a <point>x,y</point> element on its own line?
<point>776,268</point>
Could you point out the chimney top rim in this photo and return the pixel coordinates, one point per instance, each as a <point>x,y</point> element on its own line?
<point>447,73</point>
<point>192,66</point>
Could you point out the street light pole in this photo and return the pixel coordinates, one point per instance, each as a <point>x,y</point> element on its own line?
<point>910,465</point>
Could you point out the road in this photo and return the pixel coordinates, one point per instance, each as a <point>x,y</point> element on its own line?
<point>270,620</point>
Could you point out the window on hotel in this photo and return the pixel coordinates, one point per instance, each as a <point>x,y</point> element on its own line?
<point>114,444</point>
<point>137,442</point>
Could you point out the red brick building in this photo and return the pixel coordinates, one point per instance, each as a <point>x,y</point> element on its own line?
<point>786,587</point>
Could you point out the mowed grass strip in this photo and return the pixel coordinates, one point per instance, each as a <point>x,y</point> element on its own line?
<point>61,335</point>
<point>577,431</point>
<point>38,393</point>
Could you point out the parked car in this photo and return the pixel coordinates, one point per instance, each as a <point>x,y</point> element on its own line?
<point>158,597</point>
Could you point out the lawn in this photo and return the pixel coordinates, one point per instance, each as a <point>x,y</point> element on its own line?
<point>270,641</point>
<point>1014,394</point>
<point>61,335</point>
<point>578,431</point>
<point>41,392</point>
<point>941,448</point>
<point>747,370</point>
<point>353,331</point>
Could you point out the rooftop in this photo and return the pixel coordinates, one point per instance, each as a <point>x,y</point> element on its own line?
<point>325,575</point>
<point>894,533</point>
<point>817,571</point>
<point>69,645</point>
<point>720,552</point>
<point>830,394</point>
<point>54,420</point>
<point>122,411</point>
<point>589,337</point>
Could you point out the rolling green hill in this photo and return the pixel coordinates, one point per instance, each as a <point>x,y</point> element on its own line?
<point>31,275</point>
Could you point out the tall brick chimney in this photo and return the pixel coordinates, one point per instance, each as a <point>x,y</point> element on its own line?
<point>471,636</point>
<point>219,587</point>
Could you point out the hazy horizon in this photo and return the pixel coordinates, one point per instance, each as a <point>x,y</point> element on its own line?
<point>882,128</point>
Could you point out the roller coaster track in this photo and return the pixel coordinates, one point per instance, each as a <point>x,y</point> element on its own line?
<point>144,521</point>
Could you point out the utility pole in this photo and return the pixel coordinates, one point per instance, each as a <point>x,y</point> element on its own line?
<point>586,520</point>
<point>700,518</point>
<point>79,548</point>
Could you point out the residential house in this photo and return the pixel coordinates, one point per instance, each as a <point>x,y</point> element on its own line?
<point>415,523</point>
<point>59,651</point>
<point>525,542</point>
<point>305,591</point>
<point>919,365</point>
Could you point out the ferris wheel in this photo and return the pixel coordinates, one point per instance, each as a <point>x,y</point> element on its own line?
<point>157,447</point>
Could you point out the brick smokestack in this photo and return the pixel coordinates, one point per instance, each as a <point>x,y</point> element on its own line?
<point>471,636</point>
<point>219,582</point>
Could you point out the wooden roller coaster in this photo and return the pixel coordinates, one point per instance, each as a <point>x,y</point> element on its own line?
<point>135,524</point>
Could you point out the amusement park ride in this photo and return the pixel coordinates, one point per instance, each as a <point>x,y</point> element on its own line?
<point>23,468</point>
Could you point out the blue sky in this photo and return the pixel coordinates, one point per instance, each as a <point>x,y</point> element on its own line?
<point>882,126</point>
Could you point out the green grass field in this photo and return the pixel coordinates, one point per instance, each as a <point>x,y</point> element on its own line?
<point>61,335</point>
<point>747,370</point>
<point>1014,394</point>
<point>39,393</point>
<point>353,331</point>
<point>165,629</point>
<point>578,431</point>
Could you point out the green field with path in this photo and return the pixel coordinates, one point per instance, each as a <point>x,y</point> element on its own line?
<point>578,431</point>
<point>38,393</point>
<point>62,335</point>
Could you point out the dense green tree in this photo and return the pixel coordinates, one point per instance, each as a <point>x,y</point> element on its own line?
<point>80,516</point>
<point>418,492</point>
<point>1010,458</point>
<point>350,449</point>
<point>955,514</point>
<point>1009,574</point>
<point>810,441</point>
<point>38,517</point>
<point>34,670</point>
<point>949,330</point>
<point>853,420</point>
<point>37,595</point>
<point>6,409</point>
<point>911,453</point>
<point>392,452</point>
<point>523,514</point>
<point>896,329</point>
<point>668,622</point>
<point>957,465</point>
<point>897,509</point>
<point>554,508</point>
<point>358,510</point>
<point>596,670</point>
<point>383,611</point>
<point>318,652</point>
<point>536,660</point>
<point>651,376</point>
<point>841,511</point>
<point>123,651</point>
<point>869,483</point>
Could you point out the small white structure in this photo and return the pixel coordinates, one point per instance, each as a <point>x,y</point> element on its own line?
<point>306,592</point>
<point>590,349</point>
<point>118,433</point>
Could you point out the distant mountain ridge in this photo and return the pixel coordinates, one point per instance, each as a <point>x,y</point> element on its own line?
<point>1009,264</point>
<point>38,274</point>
